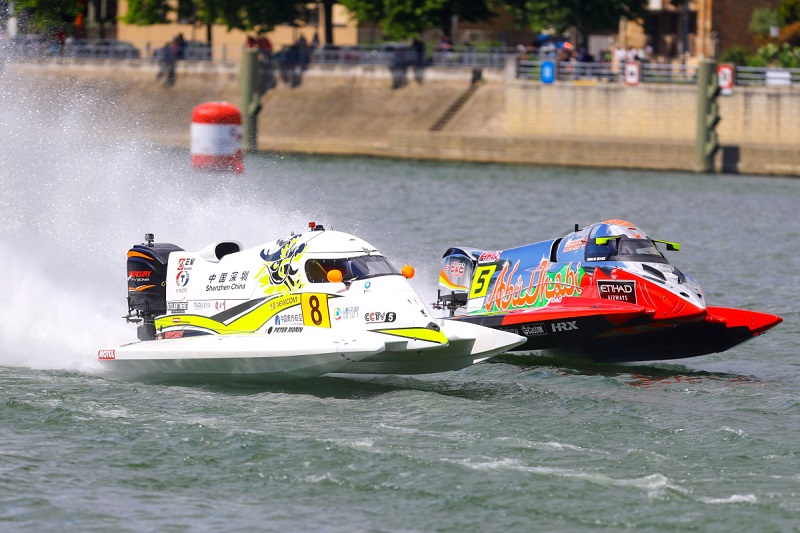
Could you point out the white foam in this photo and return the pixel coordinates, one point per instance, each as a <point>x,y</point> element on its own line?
<point>654,484</point>
<point>734,498</point>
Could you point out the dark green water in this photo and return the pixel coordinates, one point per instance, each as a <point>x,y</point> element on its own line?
<point>524,443</point>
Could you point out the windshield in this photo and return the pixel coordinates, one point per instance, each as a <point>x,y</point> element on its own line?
<point>361,267</point>
<point>624,249</point>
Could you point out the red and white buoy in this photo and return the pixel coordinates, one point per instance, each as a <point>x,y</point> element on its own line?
<point>217,137</point>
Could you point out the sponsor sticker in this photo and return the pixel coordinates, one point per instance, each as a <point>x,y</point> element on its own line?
<point>185,263</point>
<point>182,278</point>
<point>106,355</point>
<point>289,318</point>
<point>569,325</point>
<point>284,302</point>
<point>377,316</point>
<point>620,291</point>
<point>285,329</point>
<point>177,307</point>
<point>142,275</point>
<point>574,244</point>
<point>489,257</point>
<point>455,267</point>
<point>227,281</point>
<point>345,313</point>
<point>531,330</point>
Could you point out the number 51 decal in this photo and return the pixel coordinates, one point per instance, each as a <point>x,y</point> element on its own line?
<point>315,310</point>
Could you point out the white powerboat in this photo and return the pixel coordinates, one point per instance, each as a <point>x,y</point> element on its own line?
<point>313,303</point>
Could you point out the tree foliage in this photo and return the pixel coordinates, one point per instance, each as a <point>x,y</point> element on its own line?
<point>45,15</point>
<point>786,17</point>
<point>249,15</point>
<point>789,11</point>
<point>405,18</point>
<point>401,19</point>
<point>762,19</point>
<point>147,12</point>
<point>541,15</point>
<point>587,16</point>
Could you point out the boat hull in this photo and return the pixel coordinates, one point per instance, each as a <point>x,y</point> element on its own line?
<point>256,357</point>
<point>467,345</point>
<point>720,330</point>
<point>621,337</point>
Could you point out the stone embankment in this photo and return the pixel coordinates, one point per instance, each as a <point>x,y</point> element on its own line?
<point>438,114</point>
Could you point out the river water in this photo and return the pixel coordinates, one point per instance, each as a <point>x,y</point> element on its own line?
<point>520,443</point>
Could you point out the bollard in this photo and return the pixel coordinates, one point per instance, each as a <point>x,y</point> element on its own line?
<point>216,137</point>
<point>706,141</point>
<point>250,98</point>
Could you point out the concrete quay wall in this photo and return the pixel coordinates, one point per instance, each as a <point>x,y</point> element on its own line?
<point>759,132</point>
<point>754,115</point>
<point>373,110</point>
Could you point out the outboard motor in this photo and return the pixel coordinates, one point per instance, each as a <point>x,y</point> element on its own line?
<point>147,284</point>
<point>455,276</point>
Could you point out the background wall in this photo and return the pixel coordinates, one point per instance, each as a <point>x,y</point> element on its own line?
<point>755,115</point>
<point>377,111</point>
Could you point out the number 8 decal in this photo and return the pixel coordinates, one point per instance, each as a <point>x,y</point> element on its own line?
<point>315,310</point>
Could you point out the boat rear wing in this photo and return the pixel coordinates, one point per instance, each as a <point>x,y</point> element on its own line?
<point>455,277</point>
<point>456,271</point>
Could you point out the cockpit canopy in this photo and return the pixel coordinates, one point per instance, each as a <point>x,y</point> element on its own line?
<point>624,248</point>
<point>618,240</point>
<point>352,268</point>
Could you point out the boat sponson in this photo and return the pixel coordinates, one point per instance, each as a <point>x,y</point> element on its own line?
<point>270,357</point>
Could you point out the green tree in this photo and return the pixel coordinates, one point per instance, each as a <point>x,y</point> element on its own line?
<point>588,16</point>
<point>259,16</point>
<point>401,19</point>
<point>256,15</point>
<point>788,11</point>
<point>47,15</point>
<point>541,15</point>
<point>762,19</point>
<point>147,12</point>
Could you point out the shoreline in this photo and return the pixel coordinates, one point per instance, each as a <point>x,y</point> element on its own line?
<point>371,110</point>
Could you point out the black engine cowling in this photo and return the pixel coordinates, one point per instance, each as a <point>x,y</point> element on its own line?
<point>147,287</point>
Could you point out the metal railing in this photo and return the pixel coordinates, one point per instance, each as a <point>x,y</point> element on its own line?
<point>407,55</point>
<point>33,47</point>
<point>97,49</point>
<point>465,56</point>
<point>655,73</point>
<point>608,72</point>
<point>766,76</point>
<point>37,47</point>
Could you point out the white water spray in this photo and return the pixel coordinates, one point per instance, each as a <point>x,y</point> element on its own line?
<point>75,194</point>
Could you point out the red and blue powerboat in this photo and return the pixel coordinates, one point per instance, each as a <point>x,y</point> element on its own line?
<point>605,292</point>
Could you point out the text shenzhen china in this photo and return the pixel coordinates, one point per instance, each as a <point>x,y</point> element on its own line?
<point>306,305</point>
<point>605,292</point>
